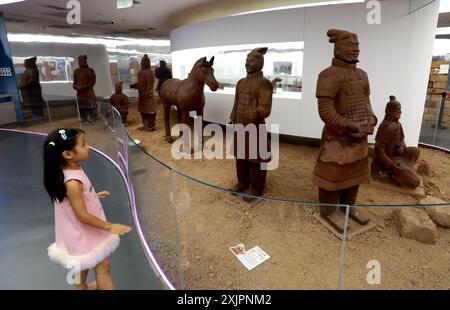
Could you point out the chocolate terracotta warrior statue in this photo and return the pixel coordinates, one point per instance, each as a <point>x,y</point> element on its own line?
<point>145,85</point>
<point>344,106</point>
<point>163,74</point>
<point>392,156</point>
<point>30,88</point>
<point>252,105</point>
<point>84,80</point>
<point>121,102</point>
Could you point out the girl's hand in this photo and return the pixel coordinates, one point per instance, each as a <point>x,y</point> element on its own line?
<point>103,194</point>
<point>119,229</point>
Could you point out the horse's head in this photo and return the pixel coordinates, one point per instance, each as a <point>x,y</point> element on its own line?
<point>203,70</point>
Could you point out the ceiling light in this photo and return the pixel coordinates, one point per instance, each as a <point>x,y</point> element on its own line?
<point>301,6</point>
<point>113,42</point>
<point>9,1</point>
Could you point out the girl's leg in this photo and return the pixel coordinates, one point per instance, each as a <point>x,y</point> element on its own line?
<point>83,279</point>
<point>104,281</point>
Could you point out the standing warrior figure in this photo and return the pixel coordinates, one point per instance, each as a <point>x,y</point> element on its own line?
<point>344,106</point>
<point>145,85</point>
<point>84,80</point>
<point>252,105</point>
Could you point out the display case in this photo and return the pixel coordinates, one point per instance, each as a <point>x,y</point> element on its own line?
<point>283,64</point>
<point>51,69</point>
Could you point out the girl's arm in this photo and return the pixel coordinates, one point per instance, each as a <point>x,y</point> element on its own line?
<point>75,195</point>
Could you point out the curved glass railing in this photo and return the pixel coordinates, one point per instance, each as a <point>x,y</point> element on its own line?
<point>187,226</point>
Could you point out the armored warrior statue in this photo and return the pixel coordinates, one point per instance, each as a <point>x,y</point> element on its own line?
<point>252,105</point>
<point>30,88</point>
<point>145,85</point>
<point>344,106</point>
<point>84,80</point>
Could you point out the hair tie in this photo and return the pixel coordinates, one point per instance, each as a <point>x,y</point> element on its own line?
<point>51,143</point>
<point>62,132</point>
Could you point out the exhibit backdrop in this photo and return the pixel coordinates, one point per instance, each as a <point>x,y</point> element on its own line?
<point>396,53</point>
<point>97,59</point>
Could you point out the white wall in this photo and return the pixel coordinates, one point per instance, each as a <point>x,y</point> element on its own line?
<point>277,26</point>
<point>97,59</point>
<point>396,54</point>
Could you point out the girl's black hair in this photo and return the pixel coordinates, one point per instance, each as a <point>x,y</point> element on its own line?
<point>55,144</point>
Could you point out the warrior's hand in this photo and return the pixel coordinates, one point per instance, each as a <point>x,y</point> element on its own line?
<point>352,128</point>
<point>395,168</point>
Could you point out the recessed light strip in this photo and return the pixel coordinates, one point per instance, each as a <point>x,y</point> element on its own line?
<point>301,6</point>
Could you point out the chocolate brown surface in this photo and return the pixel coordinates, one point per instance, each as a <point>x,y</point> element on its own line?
<point>145,86</point>
<point>344,106</point>
<point>392,156</point>
<point>188,94</point>
<point>121,102</point>
<point>252,105</point>
<point>30,87</point>
<point>84,80</point>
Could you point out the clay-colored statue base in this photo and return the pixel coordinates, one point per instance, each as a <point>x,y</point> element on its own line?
<point>354,228</point>
<point>386,183</point>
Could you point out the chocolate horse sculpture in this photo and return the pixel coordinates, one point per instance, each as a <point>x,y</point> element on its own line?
<point>344,106</point>
<point>392,157</point>
<point>187,95</point>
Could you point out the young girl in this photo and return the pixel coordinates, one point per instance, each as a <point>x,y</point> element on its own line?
<point>84,238</point>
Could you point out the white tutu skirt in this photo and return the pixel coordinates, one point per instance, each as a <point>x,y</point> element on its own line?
<point>87,261</point>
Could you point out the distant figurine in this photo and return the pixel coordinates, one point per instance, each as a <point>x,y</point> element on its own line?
<point>252,105</point>
<point>163,74</point>
<point>344,106</point>
<point>121,102</point>
<point>145,85</point>
<point>188,94</point>
<point>30,88</point>
<point>392,157</point>
<point>84,80</point>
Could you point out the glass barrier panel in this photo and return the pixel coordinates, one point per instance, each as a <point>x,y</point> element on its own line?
<point>153,190</point>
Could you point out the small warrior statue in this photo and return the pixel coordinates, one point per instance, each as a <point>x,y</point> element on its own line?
<point>121,102</point>
<point>392,157</point>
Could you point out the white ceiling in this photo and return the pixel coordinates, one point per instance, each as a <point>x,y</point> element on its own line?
<point>148,19</point>
<point>135,22</point>
<point>152,19</point>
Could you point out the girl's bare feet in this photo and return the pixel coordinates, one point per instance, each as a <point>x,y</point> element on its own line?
<point>92,286</point>
<point>81,287</point>
<point>89,287</point>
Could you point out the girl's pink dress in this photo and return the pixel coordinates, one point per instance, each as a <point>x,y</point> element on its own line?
<point>79,245</point>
